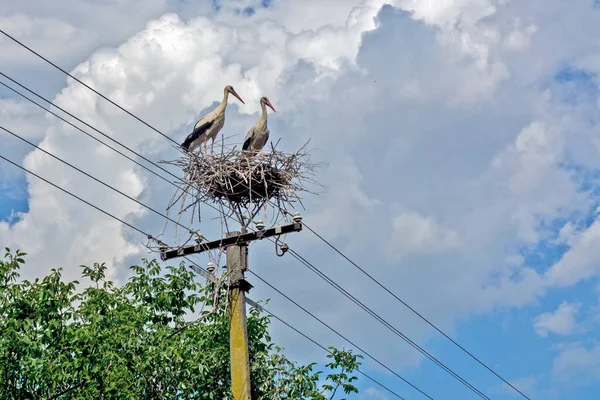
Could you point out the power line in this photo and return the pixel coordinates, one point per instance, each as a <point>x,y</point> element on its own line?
<point>97,180</point>
<point>78,128</point>
<point>90,88</point>
<point>387,324</point>
<point>87,124</point>
<point>77,197</point>
<point>329,351</point>
<point>92,136</point>
<point>339,334</point>
<point>150,236</point>
<point>80,120</point>
<point>169,138</point>
<point>413,310</point>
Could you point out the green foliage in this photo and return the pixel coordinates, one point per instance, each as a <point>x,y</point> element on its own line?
<point>132,342</point>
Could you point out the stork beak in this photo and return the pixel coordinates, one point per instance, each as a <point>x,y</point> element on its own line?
<point>270,105</point>
<point>232,91</point>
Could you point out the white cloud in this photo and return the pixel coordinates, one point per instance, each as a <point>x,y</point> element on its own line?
<point>27,121</point>
<point>372,393</point>
<point>577,362</point>
<point>23,117</point>
<point>534,180</point>
<point>527,384</point>
<point>351,201</point>
<point>581,260</point>
<point>563,321</point>
<point>449,13</point>
<point>415,233</point>
<point>48,33</point>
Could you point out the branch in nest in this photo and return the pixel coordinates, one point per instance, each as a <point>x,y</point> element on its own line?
<point>241,183</point>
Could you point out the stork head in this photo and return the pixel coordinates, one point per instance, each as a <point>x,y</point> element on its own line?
<point>230,89</point>
<point>265,101</point>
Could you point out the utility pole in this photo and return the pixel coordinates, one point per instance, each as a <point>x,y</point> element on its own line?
<point>237,262</point>
<point>236,246</point>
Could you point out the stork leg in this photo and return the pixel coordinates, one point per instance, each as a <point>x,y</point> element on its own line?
<point>205,145</point>
<point>212,145</point>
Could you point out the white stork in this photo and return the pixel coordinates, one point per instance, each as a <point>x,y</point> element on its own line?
<point>258,135</point>
<point>209,126</point>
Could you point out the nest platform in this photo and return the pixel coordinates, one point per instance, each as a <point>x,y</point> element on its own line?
<point>236,180</point>
<point>240,180</point>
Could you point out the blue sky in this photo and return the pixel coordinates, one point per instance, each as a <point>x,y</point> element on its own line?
<point>13,199</point>
<point>463,143</point>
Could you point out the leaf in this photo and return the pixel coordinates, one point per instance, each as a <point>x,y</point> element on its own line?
<point>133,341</point>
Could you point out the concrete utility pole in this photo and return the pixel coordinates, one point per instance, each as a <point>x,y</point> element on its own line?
<point>237,262</point>
<point>236,246</point>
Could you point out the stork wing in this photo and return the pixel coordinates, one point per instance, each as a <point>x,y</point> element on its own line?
<point>198,131</point>
<point>248,139</point>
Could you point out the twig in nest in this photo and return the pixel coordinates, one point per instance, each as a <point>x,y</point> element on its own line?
<point>243,184</point>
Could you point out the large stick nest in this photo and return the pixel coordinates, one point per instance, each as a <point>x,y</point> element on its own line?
<point>237,181</point>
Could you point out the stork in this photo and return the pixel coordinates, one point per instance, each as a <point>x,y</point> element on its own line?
<point>209,126</point>
<point>258,135</point>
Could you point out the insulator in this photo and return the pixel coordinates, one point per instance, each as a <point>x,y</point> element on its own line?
<point>297,217</point>
<point>210,267</point>
<point>285,247</point>
<point>260,225</point>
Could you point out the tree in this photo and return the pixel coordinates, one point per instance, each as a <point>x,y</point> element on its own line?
<point>132,342</point>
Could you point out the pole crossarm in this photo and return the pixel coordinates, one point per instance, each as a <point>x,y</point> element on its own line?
<point>231,240</point>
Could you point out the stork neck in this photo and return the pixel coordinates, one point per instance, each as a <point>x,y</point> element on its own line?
<point>263,116</point>
<point>224,101</point>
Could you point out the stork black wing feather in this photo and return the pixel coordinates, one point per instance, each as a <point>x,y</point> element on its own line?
<point>196,133</point>
<point>247,142</point>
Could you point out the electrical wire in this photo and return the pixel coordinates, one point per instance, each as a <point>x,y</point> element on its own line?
<point>387,324</point>
<point>413,310</point>
<point>80,120</point>
<point>97,180</point>
<point>339,334</point>
<point>169,138</point>
<point>77,197</point>
<point>329,351</point>
<point>90,88</point>
<point>92,136</point>
<point>150,236</point>
<point>78,128</point>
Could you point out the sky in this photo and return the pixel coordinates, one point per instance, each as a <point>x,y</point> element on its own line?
<point>462,143</point>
